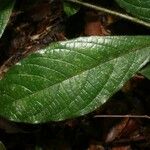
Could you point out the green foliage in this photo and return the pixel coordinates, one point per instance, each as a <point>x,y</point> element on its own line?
<point>71,78</point>
<point>6,7</point>
<point>146,71</point>
<point>138,8</point>
<point>70,9</point>
<point>2,147</point>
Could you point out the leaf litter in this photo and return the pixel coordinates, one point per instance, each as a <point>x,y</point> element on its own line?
<point>29,31</point>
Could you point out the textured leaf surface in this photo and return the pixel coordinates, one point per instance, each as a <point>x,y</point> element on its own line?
<point>71,78</point>
<point>146,71</point>
<point>6,7</point>
<point>138,8</point>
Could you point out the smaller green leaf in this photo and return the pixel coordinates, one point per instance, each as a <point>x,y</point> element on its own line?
<point>146,71</point>
<point>6,7</point>
<point>70,9</point>
<point>138,8</point>
<point>2,147</point>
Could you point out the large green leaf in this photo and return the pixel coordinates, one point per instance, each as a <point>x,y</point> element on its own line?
<point>146,71</point>
<point>71,78</point>
<point>138,8</point>
<point>6,7</point>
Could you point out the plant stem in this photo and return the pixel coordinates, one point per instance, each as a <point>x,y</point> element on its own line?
<point>122,116</point>
<point>124,16</point>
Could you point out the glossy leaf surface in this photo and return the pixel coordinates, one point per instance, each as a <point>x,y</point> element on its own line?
<point>6,7</point>
<point>71,78</point>
<point>138,8</point>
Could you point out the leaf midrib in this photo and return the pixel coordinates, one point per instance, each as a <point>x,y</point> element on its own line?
<point>80,73</point>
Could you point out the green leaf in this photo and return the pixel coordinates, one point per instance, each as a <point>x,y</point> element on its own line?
<point>71,78</point>
<point>6,7</point>
<point>138,8</point>
<point>146,71</point>
<point>70,9</point>
<point>2,147</point>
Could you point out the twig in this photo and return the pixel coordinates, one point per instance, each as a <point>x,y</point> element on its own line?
<point>115,13</point>
<point>126,141</point>
<point>122,116</point>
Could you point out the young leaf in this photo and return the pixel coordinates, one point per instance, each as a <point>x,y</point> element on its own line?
<point>138,8</point>
<point>6,7</point>
<point>146,71</point>
<point>71,78</point>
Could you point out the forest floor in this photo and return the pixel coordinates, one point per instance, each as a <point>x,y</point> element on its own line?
<point>120,124</point>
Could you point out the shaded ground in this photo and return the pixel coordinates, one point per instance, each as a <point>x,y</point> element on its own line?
<point>28,31</point>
